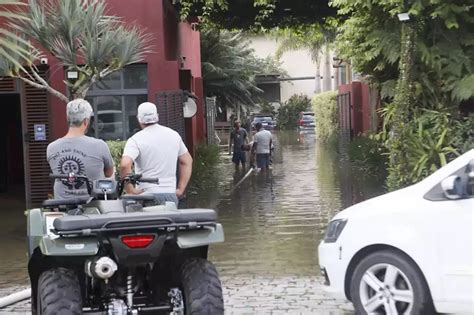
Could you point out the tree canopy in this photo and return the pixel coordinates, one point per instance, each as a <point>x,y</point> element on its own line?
<point>229,67</point>
<point>251,14</point>
<point>83,37</point>
<point>369,38</point>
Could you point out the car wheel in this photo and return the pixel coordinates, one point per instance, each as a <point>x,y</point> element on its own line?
<point>386,282</point>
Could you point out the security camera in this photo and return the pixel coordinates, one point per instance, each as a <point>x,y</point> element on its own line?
<point>44,61</point>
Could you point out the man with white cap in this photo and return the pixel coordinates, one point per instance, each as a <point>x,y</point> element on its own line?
<point>77,153</point>
<point>156,150</point>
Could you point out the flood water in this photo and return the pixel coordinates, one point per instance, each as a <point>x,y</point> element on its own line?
<point>273,222</point>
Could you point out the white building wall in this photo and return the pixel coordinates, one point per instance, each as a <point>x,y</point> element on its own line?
<point>297,64</point>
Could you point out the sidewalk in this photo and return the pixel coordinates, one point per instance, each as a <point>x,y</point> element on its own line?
<point>256,295</point>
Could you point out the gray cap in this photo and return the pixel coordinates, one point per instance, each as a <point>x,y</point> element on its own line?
<point>77,110</point>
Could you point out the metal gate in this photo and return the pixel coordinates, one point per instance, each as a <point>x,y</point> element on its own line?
<point>344,108</point>
<point>211,120</point>
<point>170,109</point>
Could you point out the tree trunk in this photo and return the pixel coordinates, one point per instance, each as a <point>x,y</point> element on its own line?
<point>404,101</point>
<point>317,79</point>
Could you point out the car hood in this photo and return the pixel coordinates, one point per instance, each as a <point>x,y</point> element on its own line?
<point>395,201</point>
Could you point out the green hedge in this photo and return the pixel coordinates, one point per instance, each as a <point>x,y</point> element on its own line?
<point>325,113</point>
<point>116,149</point>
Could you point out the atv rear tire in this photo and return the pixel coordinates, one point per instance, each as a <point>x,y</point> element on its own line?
<point>201,288</point>
<point>59,293</point>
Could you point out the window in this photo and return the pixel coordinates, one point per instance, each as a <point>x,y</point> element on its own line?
<point>115,100</point>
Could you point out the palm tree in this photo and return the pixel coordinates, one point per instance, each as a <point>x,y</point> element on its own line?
<point>312,38</point>
<point>13,48</point>
<point>83,38</point>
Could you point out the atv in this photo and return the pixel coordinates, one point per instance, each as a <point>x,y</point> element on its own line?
<point>115,255</point>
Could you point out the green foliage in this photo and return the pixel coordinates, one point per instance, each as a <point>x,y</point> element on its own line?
<point>326,117</point>
<point>14,49</point>
<point>288,113</point>
<point>433,138</point>
<point>267,108</point>
<point>370,35</point>
<point>463,139</point>
<point>312,38</point>
<point>368,154</point>
<point>116,150</point>
<point>432,57</point>
<point>229,67</point>
<point>256,14</point>
<point>206,158</point>
<point>80,32</point>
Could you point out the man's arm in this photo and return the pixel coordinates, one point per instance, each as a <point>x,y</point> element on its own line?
<point>185,170</point>
<point>130,152</point>
<point>230,142</point>
<point>108,162</point>
<point>126,169</point>
<point>255,143</point>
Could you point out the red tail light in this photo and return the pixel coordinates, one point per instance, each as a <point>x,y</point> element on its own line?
<point>138,241</point>
<point>301,122</point>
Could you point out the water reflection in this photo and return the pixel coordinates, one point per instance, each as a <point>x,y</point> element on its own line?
<point>273,222</point>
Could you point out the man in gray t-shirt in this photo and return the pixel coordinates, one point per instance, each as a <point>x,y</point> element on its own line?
<point>77,153</point>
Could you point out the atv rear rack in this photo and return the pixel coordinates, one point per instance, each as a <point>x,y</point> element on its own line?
<point>169,227</point>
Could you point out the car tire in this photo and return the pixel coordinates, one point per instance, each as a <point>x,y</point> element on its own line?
<point>59,293</point>
<point>202,291</point>
<point>389,282</point>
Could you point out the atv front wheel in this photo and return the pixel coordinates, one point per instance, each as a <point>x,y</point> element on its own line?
<point>201,288</point>
<point>59,293</point>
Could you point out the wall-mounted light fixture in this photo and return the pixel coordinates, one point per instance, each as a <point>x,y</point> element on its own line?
<point>403,17</point>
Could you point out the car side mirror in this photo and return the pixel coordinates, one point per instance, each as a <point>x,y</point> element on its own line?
<point>452,187</point>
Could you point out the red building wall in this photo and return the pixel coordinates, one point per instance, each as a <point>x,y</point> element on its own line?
<point>360,102</point>
<point>171,39</point>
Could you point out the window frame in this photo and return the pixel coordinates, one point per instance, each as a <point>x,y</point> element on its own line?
<point>93,94</point>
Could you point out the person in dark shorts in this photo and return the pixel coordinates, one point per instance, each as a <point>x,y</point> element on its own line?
<point>238,138</point>
<point>262,145</point>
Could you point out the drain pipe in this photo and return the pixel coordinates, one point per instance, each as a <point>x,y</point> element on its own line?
<point>15,297</point>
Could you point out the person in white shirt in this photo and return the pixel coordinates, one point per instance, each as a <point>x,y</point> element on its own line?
<point>156,151</point>
<point>262,145</point>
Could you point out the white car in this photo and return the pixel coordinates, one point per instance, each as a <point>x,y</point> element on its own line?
<point>408,251</point>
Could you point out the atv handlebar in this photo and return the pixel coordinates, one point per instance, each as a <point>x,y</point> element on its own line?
<point>72,178</point>
<point>135,179</point>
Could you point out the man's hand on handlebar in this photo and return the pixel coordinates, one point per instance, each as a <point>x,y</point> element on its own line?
<point>132,190</point>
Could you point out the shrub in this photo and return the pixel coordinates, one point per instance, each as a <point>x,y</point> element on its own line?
<point>116,149</point>
<point>206,157</point>
<point>289,112</point>
<point>368,154</point>
<point>464,134</point>
<point>325,113</point>
<point>434,138</point>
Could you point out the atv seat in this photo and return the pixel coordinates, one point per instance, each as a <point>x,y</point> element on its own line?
<point>142,197</point>
<point>135,220</point>
<point>54,203</point>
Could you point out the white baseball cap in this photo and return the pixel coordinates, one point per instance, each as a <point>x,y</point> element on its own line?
<point>147,113</point>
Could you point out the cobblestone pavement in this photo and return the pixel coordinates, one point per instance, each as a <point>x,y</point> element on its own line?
<point>257,295</point>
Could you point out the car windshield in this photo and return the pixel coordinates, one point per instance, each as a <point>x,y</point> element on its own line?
<point>263,119</point>
<point>308,118</point>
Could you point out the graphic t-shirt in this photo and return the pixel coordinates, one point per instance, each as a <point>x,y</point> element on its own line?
<point>238,136</point>
<point>155,151</point>
<point>263,138</point>
<point>82,155</point>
